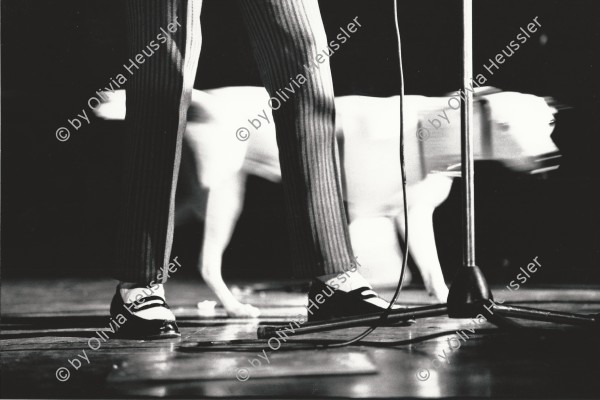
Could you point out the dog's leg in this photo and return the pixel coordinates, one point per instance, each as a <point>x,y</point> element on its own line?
<point>424,252</point>
<point>375,244</point>
<point>423,200</point>
<point>225,201</point>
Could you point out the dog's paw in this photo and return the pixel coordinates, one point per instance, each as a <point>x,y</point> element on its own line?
<point>241,310</point>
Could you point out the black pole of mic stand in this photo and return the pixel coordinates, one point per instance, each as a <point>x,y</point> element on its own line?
<point>469,294</point>
<point>470,288</point>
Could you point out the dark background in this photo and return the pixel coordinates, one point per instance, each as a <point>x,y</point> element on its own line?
<point>59,199</point>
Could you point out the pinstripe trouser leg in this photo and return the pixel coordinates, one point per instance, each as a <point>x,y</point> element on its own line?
<point>286,35</point>
<point>158,96</point>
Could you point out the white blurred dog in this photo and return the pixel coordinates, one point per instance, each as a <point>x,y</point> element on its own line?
<point>512,127</point>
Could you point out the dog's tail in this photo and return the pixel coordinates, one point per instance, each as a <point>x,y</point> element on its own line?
<point>113,107</point>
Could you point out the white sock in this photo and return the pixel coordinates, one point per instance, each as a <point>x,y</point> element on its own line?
<point>131,294</point>
<point>348,281</point>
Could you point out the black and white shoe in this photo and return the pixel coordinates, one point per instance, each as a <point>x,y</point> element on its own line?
<point>326,302</point>
<point>141,322</point>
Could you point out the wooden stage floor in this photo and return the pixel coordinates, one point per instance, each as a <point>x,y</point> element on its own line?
<point>45,323</point>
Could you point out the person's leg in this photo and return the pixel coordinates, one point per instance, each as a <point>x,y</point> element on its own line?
<point>287,36</point>
<point>292,52</point>
<point>163,49</point>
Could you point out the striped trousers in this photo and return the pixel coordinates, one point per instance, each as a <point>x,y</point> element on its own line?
<point>286,36</point>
